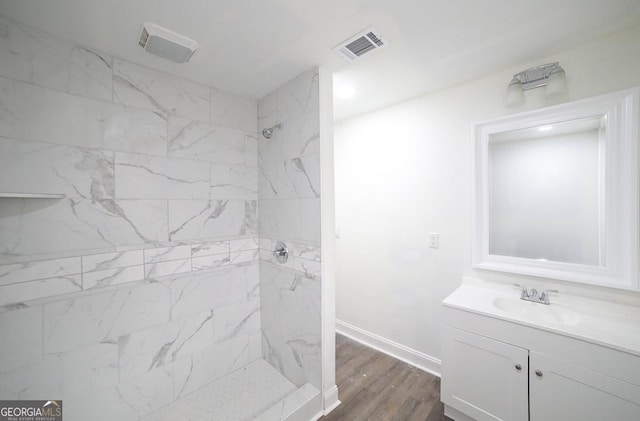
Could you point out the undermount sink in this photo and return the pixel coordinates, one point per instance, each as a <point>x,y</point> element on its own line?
<point>551,313</point>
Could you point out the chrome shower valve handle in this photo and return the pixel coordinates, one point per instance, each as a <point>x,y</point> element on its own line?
<point>281,252</point>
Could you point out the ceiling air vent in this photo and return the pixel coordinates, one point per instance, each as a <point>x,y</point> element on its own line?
<point>167,44</point>
<point>360,44</point>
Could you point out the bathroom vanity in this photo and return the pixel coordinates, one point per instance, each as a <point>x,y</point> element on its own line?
<point>509,359</point>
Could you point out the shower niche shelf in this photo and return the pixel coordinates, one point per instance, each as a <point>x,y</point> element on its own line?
<point>4,195</point>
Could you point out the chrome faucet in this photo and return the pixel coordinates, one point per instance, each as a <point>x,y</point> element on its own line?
<point>533,295</point>
<point>544,295</point>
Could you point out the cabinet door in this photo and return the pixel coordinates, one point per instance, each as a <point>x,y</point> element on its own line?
<point>561,391</point>
<point>484,378</point>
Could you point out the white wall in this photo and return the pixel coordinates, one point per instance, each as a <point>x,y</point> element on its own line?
<point>405,171</point>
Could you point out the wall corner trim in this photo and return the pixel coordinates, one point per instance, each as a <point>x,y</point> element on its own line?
<point>403,353</point>
<point>330,400</point>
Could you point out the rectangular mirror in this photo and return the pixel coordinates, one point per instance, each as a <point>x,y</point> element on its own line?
<point>555,192</point>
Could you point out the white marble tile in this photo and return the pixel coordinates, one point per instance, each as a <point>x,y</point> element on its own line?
<point>115,276</point>
<point>265,244</point>
<point>293,407</point>
<point>253,284</point>
<point>245,393</point>
<point>197,140</point>
<point>280,218</point>
<point>183,409</point>
<point>209,248</point>
<point>105,404</point>
<point>251,222</point>
<point>172,267</point>
<point>39,114</point>
<point>104,261</point>
<point>295,178</point>
<point>28,113</point>
<point>202,291</point>
<point>33,167</point>
<point>308,409</point>
<point>296,105</point>
<point>240,395</point>
<point>33,290</point>
<point>234,111</point>
<point>54,226</point>
<point>209,262</point>
<point>147,221</point>
<point>153,177</point>
<point>237,319</point>
<point>307,175</point>
<point>243,244</point>
<point>147,88</point>
<point>245,256</point>
<point>132,130</point>
<point>307,251</point>
<point>266,255</point>
<point>309,229</point>
<point>291,323</point>
<point>75,374</point>
<point>268,112</point>
<point>127,401</point>
<point>300,96</point>
<point>29,271</point>
<point>25,346</point>
<point>234,182</point>
<point>297,357</point>
<point>192,219</point>
<point>299,137</point>
<point>149,391</point>
<point>90,73</point>
<point>203,367</point>
<point>251,150</point>
<point>161,345</point>
<point>291,291</point>
<point>32,56</point>
<point>255,345</point>
<point>163,254</point>
<point>310,268</point>
<point>103,317</point>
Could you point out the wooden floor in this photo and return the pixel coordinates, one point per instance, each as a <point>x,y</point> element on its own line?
<point>373,386</point>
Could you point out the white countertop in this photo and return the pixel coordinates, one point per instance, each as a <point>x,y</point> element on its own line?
<point>605,323</point>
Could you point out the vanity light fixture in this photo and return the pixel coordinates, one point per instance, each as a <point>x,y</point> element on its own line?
<point>551,76</point>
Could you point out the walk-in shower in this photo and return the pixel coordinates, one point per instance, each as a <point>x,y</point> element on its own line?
<point>158,289</point>
<point>267,133</point>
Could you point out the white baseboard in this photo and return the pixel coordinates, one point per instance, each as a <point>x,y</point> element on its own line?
<point>403,353</point>
<point>331,401</point>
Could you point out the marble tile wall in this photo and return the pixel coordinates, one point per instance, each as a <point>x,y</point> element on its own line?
<point>142,283</point>
<point>289,196</point>
<point>131,350</point>
<point>144,160</point>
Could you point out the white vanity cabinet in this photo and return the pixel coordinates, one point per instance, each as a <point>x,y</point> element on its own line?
<point>484,378</point>
<point>499,366</point>
<point>559,390</point>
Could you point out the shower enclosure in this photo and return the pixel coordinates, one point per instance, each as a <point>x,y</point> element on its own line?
<point>139,213</point>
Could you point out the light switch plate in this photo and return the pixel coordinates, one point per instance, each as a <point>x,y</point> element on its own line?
<point>434,240</point>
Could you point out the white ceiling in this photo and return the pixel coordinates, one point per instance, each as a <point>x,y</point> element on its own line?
<point>250,47</point>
